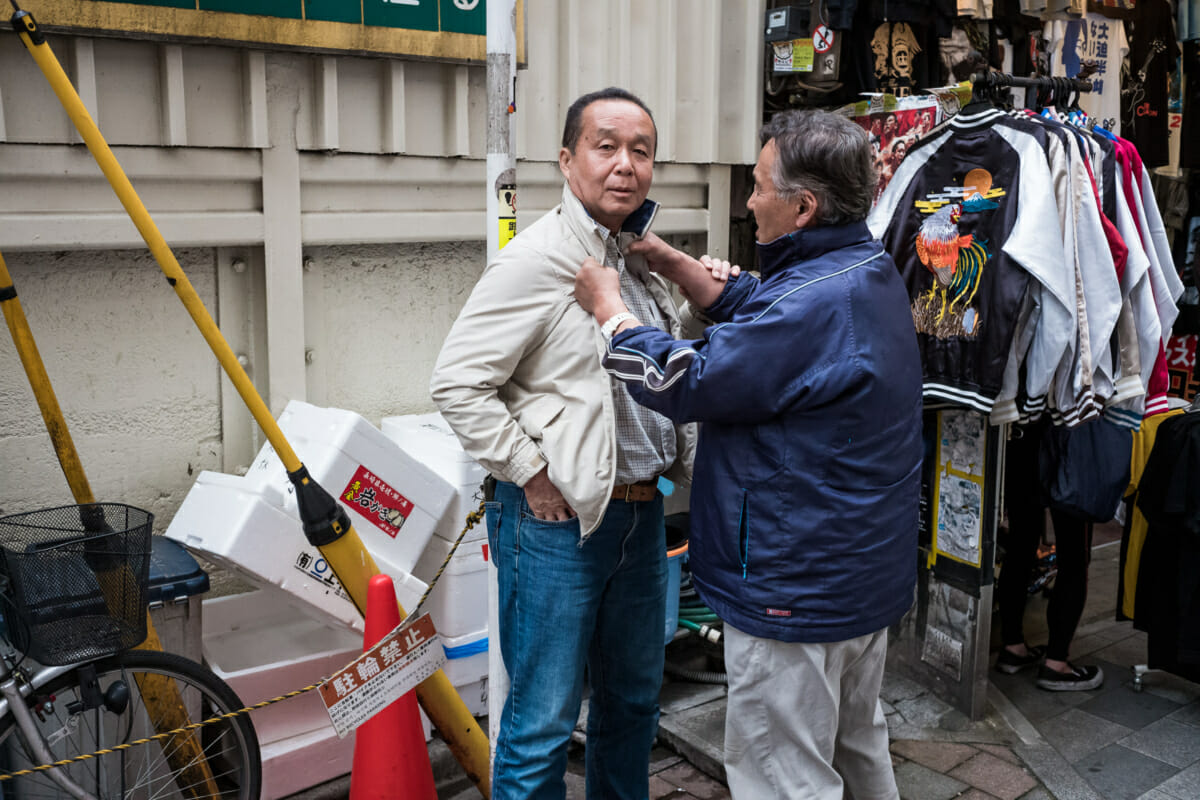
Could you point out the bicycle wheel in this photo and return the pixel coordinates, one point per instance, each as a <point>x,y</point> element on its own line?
<point>74,719</point>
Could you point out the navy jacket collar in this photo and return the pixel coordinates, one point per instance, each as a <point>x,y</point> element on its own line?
<point>809,243</point>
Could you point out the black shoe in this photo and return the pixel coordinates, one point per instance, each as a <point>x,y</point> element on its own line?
<point>1009,662</point>
<point>1079,679</point>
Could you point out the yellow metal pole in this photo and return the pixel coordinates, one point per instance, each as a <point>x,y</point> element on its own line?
<point>326,523</point>
<point>161,693</point>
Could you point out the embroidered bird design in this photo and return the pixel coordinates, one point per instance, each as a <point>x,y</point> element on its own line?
<point>956,261</point>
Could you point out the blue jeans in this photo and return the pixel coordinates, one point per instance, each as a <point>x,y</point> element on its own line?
<point>565,605</point>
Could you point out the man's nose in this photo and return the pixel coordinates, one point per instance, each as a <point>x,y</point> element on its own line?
<point>624,161</point>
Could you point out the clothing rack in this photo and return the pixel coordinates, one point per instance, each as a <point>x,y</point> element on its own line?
<point>1003,79</point>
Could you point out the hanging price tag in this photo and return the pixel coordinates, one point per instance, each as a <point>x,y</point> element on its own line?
<point>382,675</point>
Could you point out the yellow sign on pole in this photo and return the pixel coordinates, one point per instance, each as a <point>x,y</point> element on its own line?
<point>507,214</point>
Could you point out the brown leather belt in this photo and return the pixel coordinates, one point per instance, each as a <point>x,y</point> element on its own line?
<point>636,492</point>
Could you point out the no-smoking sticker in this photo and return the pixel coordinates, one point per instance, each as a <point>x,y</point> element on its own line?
<point>822,39</point>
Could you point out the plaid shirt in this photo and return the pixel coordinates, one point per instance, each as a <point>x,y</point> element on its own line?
<point>645,438</point>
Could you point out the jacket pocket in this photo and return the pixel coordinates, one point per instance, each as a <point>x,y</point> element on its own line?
<point>534,418</point>
<point>744,534</point>
<point>493,510</point>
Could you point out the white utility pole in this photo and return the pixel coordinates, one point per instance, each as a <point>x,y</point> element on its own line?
<point>501,227</point>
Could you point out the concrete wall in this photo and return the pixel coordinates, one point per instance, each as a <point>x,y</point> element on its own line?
<point>329,210</point>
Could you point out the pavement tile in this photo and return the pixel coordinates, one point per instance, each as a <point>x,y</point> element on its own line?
<point>1125,653</point>
<point>1077,734</point>
<point>697,734</point>
<point>693,781</point>
<point>661,758</point>
<point>1004,780</point>
<point>1038,794</point>
<point>1084,646</point>
<point>975,794</point>
<point>1189,714</point>
<point>1119,773</point>
<point>938,756</point>
<point>1106,629</point>
<point>1155,794</point>
<point>897,687</point>
<point>1035,704</point>
<point>1134,710</point>
<point>921,783</point>
<point>1184,786</point>
<point>1167,740</point>
<point>1172,687</point>
<point>1001,752</point>
<point>924,711</point>
<point>679,696</point>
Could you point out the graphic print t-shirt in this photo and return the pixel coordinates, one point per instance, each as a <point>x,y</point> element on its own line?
<point>895,48</point>
<point>1093,38</point>
<point>1152,48</point>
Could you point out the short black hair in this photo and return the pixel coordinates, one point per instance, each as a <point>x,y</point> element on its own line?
<point>574,124</point>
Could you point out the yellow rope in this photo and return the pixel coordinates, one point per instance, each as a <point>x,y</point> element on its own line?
<point>472,520</point>
<point>185,729</point>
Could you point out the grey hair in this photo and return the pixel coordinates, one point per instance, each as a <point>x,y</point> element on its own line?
<point>828,155</point>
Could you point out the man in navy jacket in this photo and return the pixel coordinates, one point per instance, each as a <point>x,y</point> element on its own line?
<point>807,477</point>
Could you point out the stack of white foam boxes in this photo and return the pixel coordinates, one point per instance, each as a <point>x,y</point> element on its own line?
<point>300,626</point>
<point>458,603</point>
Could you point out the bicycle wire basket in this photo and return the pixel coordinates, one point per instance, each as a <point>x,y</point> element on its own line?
<point>74,579</point>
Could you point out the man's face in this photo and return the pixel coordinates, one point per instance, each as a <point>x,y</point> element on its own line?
<point>775,216</point>
<point>889,126</point>
<point>613,163</point>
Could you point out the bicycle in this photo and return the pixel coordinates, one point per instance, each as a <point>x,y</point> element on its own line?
<point>73,581</point>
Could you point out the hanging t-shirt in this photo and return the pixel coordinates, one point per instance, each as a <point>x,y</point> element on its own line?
<point>979,9</point>
<point>1099,39</point>
<point>1152,54</point>
<point>895,47</point>
<point>1189,157</point>
<point>1187,19</point>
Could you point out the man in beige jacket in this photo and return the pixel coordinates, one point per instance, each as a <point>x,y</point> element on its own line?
<point>575,525</point>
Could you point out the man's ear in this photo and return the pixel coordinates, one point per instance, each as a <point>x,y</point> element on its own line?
<point>806,209</point>
<point>564,162</point>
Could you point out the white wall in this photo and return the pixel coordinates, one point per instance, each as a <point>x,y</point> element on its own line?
<point>329,210</point>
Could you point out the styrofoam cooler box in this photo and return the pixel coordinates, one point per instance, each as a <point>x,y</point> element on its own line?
<point>244,528</point>
<point>265,644</point>
<point>395,501</point>
<point>430,440</point>
<point>458,603</point>
<point>467,668</point>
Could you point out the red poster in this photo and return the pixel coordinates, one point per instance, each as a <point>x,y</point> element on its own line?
<point>1181,367</point>
<point>369,496</point>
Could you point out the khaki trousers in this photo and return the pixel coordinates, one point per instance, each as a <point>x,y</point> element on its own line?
<point>803,721</point>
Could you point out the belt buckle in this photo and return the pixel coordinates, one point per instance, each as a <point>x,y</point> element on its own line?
<point>628,492</point>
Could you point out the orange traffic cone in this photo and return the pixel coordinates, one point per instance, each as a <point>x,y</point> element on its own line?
<point>390,755</point>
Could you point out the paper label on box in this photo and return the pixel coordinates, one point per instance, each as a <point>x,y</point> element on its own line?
<point>314,565</point>
<point>382,675</point>
<point>371,497</point>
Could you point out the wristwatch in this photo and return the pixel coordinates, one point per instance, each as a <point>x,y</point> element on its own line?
<point>612,323</point>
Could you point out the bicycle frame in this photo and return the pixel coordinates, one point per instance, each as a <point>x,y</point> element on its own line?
<point>15,686</point>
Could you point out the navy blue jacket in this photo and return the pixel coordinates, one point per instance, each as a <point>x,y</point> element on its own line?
<point>807,478</point>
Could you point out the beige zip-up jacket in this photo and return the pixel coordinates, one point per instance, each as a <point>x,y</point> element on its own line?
<point>519,376</point>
